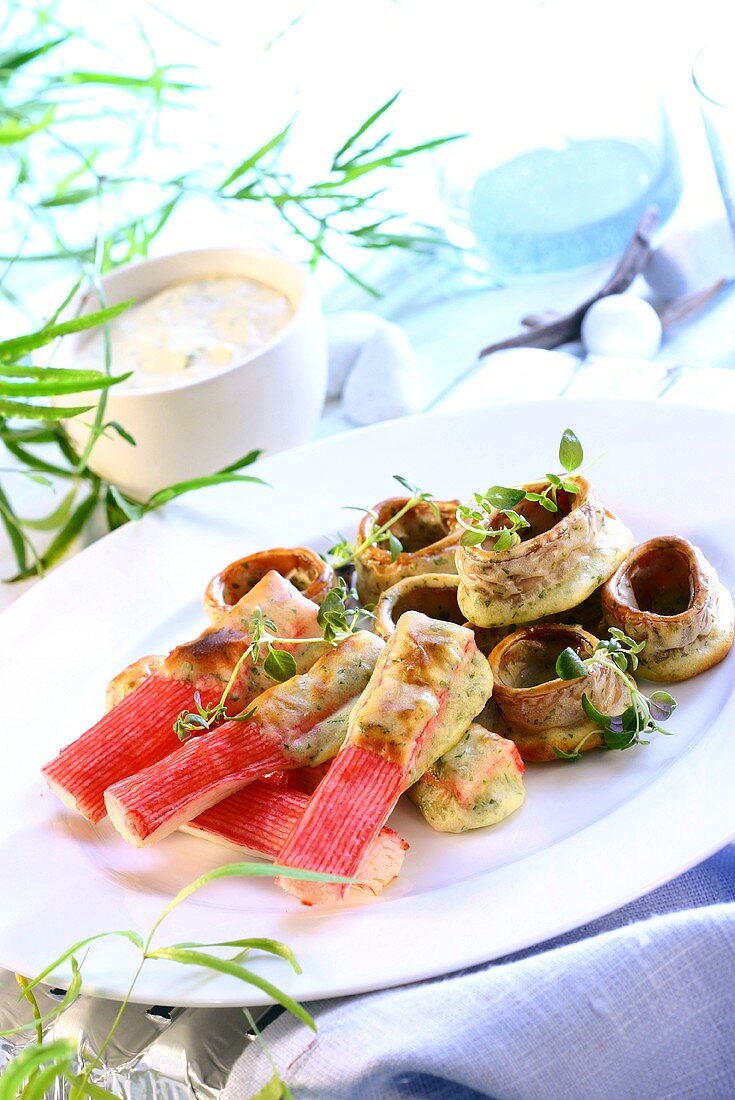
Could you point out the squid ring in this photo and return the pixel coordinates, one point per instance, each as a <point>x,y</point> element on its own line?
<point>566,555</point>
<point>667,595</point>
<point>302,567</point>
<point>540,712</point>
<point>429,534</point>
<point>434,594</point>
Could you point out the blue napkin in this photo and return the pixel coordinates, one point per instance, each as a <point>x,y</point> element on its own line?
<point>639,1004</point>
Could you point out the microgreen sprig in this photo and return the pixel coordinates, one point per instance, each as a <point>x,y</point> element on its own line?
<point>337,621</point>
<point>643,715</point>
<point>475,517</point>
<point>380,535</point>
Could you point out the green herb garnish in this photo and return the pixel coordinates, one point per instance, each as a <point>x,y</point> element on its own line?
<point>380,535</point>
<point>641,718</point>
<point>338,622</point>
<point>476,517</point>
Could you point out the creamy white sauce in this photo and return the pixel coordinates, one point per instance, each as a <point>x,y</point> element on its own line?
<point>190,330</point>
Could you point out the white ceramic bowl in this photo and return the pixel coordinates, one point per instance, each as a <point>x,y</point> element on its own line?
<point>270,400</point>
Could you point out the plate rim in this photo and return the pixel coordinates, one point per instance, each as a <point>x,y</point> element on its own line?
<point>695,851</point>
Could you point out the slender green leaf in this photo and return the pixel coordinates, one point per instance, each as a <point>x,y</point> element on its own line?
<point>11,523</point>
<point>17,346</point>
<point>246,460</point>
<point>163,496</point>
<point>154,82</point>
<point>394,159</point>
<point>34,462</point>
<point>116,426</point>
<point>57,1052</point>
<point>257,156</point>
<point>271,947</point>
<point>274,1089</point>
<point>58,385</point>
<point>130,508</point>
<point>89,1088</point>
<point>191,957</point>
<point>76,948</point>
<point>53,519</point>
<point>369,121</point>
<point>63,540</point>
<point>27,435</point>
<point>243,870</point>
<point>73,197</point>
<point>21,410</point>
<point>39,1084</point>
<point>11,60</point>
<point>14,130</point>
<point>72,993</point>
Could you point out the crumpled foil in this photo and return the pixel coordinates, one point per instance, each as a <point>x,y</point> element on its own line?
<point>157,1053</point>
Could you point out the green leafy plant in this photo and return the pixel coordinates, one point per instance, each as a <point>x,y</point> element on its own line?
<point>477,517</point>
<point>42,1063</point>
<point>337,621</point>
<point>643,715</point>
<point>48,133</point>
<point>381,535</point>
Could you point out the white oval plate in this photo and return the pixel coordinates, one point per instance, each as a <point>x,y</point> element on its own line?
<point>591,836</point>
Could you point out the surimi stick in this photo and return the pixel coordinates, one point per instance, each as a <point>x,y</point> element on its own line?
<point>429,683</point>
<point>299,723</point>
<point>139,730</point>
<point>135,733</point>
<point>258,819</point>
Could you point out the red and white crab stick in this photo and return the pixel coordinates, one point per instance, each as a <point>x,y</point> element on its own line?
<point>139,730</point>
<point>259,818</point>
<point>429,683</point>
<point>298,723</point>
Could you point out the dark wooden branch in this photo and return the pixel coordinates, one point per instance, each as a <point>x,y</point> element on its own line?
<point>567,327</point>
<point>680,309</point>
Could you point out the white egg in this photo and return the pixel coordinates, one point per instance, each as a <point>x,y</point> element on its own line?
<point>624,325</point>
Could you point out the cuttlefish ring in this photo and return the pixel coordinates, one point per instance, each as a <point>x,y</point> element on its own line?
<point>667,595</point>
<point>564,556</point>
<point>299,565</point>
<point>434,594</point>
<point>540,712</point>
<point>429,534</point>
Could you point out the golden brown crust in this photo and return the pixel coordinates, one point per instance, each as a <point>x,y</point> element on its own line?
<point>299,565</point>
<point>567,556</point>
<point>429,542</point>
<point>540,711</point>
<point>131,677</point>
<point>434,594</point>
<point>476,783</point>
<point>667,595</point>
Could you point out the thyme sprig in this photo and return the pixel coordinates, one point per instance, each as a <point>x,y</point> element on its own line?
<point>381,535</point>
<point>476,516</point>
<point>337,621</point>
<point>643,715</point>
